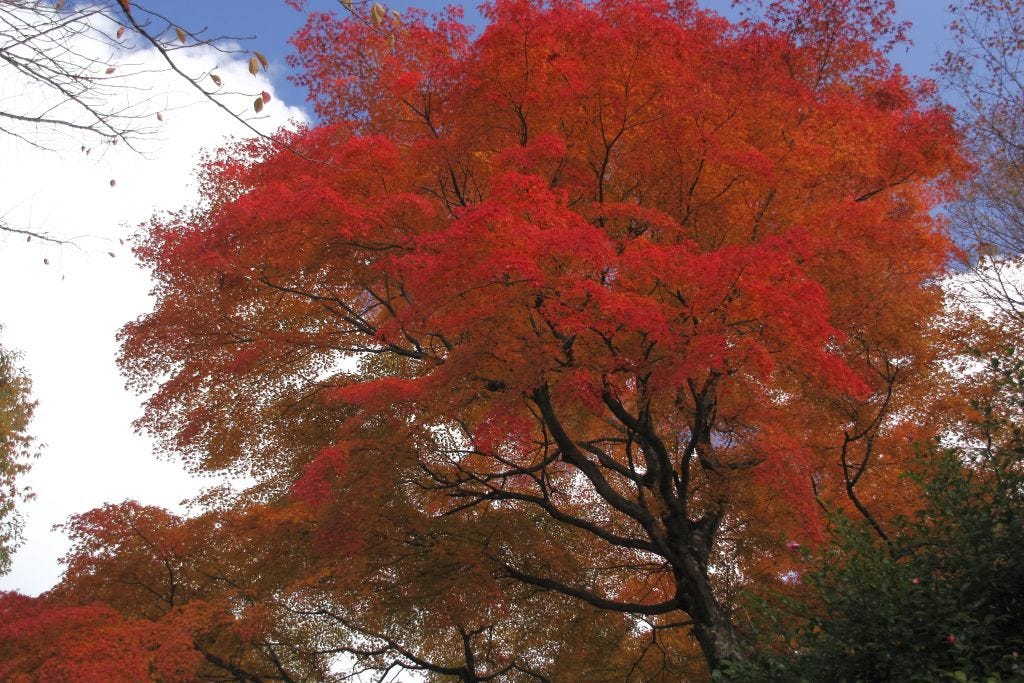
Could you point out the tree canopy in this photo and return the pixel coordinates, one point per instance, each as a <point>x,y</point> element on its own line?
<point>551,341</point>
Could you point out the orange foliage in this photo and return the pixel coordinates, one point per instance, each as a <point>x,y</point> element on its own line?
<point>590,304</point>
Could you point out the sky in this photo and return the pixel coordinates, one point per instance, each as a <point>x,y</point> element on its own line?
<point>61,306</point>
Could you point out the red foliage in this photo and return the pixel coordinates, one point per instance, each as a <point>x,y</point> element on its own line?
<point>44,640</point>
<point>622,263</point>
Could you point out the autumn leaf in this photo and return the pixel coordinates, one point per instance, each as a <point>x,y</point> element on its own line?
<point>377,13</point>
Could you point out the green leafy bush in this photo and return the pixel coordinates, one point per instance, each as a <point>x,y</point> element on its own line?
<point>942,600</point>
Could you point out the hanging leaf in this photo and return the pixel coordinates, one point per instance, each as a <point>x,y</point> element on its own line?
<point>29,238</point>
<point>254,66</point>
<point>113,182</point>
<point>109,70</point>
<point>258,104</point>
<point>111,254</point>
<point>216,79</point>
<point>46,261</point>
<point>265,96</point>
<point>120,32</point>
<point>263,60</point>
<point>377,13</point>
<point>59,5</point>
<point>347,4</point>
<point>181,34</point>
<point>126,6</point>
<point>159,116</point>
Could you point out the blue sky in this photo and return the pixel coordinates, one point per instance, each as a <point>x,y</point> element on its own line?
<point>267,25</point>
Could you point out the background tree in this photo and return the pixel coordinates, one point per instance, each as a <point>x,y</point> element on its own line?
<point>16,449</point>
<point>984,71</point>
<point>507,275</point>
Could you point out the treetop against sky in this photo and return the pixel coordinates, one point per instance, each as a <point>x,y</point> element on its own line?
<point>567,325</point>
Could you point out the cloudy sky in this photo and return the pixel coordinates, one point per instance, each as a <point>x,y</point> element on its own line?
<point>63,315</point>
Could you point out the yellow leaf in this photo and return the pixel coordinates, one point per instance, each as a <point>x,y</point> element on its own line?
<point>181,34</point>
<point>258,104</point>
<point>263,60</point>
<point>347,4</point>
<point>254,66</point>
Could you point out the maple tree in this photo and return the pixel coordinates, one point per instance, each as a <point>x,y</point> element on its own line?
<point>602,305</point>
<point>42,639</point>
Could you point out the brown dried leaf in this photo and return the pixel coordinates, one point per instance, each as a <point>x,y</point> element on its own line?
<point>377,13</point>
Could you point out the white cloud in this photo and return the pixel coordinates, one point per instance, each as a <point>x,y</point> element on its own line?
<point>64,316</point>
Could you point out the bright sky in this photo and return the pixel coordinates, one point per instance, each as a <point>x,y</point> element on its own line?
<point>63,316</point>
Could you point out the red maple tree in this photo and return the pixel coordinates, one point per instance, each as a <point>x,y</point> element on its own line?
<point>618,294</point>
